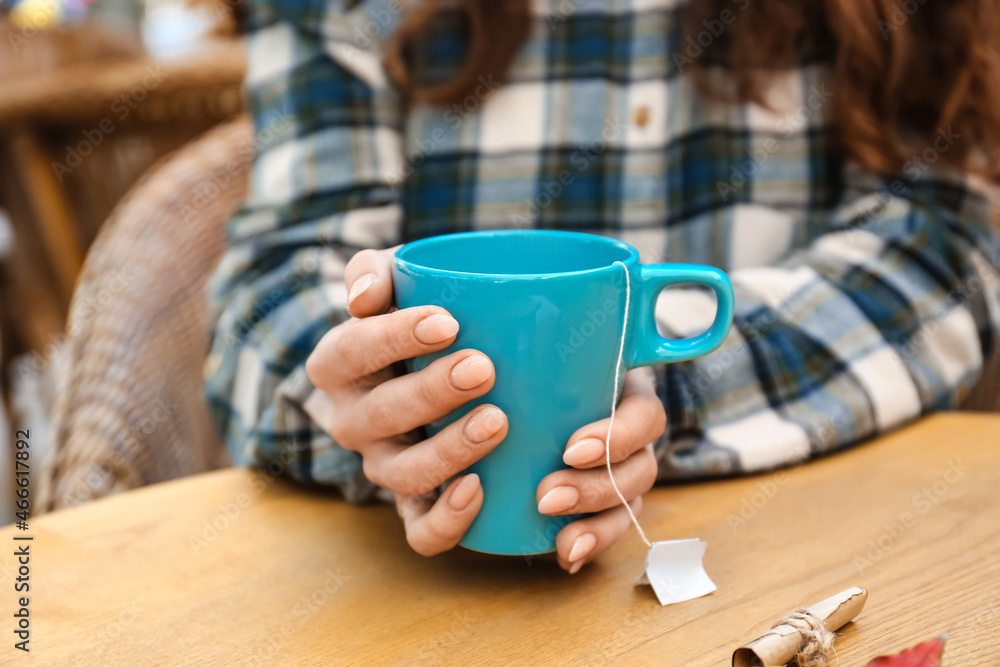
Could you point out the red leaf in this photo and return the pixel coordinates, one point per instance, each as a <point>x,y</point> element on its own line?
<point>927,654</point>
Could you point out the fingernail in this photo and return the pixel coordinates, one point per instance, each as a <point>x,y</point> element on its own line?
<point>575,567</point>
<point>583,545</point>
<point>583,452</point>
<point>484,424</point>
<point>435,329</point>
<point>465,491</point>
<point>360,285</point>
<point>558,500</point>
<point>471,372</point>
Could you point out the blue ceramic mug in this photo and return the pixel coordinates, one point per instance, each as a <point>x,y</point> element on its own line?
<point>547,308</point>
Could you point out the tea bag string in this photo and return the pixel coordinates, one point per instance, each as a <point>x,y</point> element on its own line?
<point>614,403</point>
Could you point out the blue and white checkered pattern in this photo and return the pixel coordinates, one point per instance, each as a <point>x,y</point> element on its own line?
<point>862,302</point>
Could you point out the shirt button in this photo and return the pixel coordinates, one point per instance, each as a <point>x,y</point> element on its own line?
<point>641,116</point>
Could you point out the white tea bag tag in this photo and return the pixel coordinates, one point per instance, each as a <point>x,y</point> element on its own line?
<point>675,571</point>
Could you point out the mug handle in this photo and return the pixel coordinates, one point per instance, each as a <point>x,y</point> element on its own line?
<point>652,348</point>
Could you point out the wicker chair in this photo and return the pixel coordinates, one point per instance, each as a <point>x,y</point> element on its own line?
<point>129,407</point>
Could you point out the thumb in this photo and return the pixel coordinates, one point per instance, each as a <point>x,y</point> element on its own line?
<point>368,278</point>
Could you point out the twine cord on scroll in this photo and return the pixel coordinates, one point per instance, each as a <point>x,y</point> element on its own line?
<point>805,635</point>
<point>614,403</point>
<point>817,641</point>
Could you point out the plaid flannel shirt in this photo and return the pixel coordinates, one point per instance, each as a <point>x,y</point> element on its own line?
<point>862,302</point>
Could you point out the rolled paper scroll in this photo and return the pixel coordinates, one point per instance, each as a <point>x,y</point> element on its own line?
<point>785,640</point>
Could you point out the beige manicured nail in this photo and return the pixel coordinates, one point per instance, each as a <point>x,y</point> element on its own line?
<point>464,492</point>
<point>558,500</point>
<point>582,546</point>
<point>435,329</point>
<point>360,285</point>
<point>575,567</point>
<point>471,372</point>
<point>583,452</point>
<point>484,424</point>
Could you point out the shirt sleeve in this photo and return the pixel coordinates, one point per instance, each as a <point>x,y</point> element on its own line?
<point>887,315</point>
<point>323,186</point>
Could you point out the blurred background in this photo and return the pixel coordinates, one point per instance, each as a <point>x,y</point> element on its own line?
<point>93,93</point>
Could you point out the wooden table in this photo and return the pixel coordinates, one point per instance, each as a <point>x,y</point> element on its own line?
<point>236,568</point>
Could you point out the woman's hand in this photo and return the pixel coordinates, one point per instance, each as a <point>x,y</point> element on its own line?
<point>379,415</point>
<point>586,488</point>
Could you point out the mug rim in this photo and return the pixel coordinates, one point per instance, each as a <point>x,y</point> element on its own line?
<point>401,261</point>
